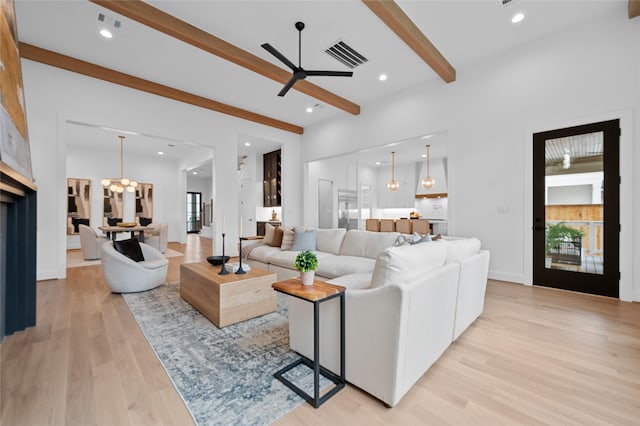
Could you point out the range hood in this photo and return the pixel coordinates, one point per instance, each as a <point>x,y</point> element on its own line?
<point>439,174</point>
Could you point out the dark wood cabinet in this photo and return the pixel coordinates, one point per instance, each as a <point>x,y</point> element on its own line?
<point>261,227</point>
<point>272,180</point>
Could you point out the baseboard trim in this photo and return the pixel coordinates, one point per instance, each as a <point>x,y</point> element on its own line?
<point>636,296</point>
<point>46,275</point>
<point>506,276</point>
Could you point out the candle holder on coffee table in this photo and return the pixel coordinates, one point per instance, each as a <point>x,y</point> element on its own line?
<point>240,270</point>
<point>223,269</point>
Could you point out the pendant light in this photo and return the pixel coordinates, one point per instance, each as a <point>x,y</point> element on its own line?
<point>428,182</point>
<point>393,184</point>
<point>119,185</point>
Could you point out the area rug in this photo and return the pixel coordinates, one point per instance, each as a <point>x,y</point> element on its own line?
<point>75,260</point>
<point>225,376</point>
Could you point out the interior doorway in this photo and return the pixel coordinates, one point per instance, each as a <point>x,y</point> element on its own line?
<point>576,208</point>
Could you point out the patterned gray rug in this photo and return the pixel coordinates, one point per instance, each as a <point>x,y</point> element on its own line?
<point>225,376</point>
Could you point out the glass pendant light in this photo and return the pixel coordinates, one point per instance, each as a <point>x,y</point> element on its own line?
<point>428,182</point>
<point>119,185</point>
<point>393,184</point>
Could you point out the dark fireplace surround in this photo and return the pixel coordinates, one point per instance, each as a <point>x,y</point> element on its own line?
<point>17,252</point>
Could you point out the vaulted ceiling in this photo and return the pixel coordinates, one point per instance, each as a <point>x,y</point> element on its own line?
<point>464,32</point>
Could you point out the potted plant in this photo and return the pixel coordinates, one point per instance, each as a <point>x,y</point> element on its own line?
<point>560,233</point>
<point>307,263</point>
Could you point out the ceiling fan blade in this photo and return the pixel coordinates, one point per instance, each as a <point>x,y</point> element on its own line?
<point>330,73</point>
<point>288,86</point>
<point>279,55</point>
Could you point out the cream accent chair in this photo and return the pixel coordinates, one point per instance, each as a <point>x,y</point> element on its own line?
<point>90,242</point>
<point>124,275</point>
<point>158,236</point>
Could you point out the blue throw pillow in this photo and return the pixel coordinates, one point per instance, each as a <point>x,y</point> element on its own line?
<point>305,239</point>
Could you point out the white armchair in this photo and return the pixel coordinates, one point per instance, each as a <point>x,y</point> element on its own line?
<point>90,242</point>
<point>124,275</point>
<point>158,237</point>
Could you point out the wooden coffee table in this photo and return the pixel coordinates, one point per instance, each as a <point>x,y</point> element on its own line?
<point>227,299</point>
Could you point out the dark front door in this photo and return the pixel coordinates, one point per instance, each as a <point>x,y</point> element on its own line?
<point>576,209</point>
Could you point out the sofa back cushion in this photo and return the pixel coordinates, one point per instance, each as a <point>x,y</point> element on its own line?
<point>330,240</point>
<point>404,264</point>
<point>366,243</point>
<point>459,249</point>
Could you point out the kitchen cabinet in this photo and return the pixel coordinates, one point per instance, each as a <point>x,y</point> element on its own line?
<point>272,179</point>
<point>404,197</point>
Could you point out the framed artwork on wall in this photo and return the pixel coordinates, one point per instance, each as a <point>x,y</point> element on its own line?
<point>78,204</point>
<point>144,203</point>
<point>14,142</point>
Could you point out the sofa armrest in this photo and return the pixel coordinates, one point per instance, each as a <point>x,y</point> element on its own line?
<point>474,272</point>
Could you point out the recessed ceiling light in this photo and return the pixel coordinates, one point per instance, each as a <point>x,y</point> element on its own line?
<point>377,163</point>
<point>517,18</point>
<point>160,153</point>
<point>382,77</point>
<point>105,33</point>
<point>247,144</point>
<point>424,156</point>
<point>195,173</point>
<point>309,109</point>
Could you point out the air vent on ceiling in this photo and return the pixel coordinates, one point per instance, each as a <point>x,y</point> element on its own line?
<point>346,54</point>
<point>507,2</point>
<point>109,20</point>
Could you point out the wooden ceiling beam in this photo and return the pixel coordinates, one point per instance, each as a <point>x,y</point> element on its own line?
<point>394,17</point>
<point>68,63</point>
<point>174,27</point>
<point>634,8</point>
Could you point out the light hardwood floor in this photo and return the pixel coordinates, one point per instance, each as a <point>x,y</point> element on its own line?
<point>535,356</point>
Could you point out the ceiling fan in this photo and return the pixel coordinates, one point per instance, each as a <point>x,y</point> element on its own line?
<point>300,73</point>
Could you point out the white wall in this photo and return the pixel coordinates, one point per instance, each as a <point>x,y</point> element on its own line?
<point>576,194</point>
<point>580,75</point>
<point>54,96</point>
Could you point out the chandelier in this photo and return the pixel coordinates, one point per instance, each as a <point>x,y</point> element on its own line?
<point>119,185</point>
<point>428,182</point>
<point>393,184</point>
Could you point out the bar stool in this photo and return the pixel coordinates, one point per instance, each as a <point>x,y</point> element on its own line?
<point>387,225</point>
<point>372,225</point>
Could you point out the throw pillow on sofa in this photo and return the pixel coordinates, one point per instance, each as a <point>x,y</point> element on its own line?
<point>288,237</point>
<point>269,232</point>
<point>278,233</point>
<point>305,239</point>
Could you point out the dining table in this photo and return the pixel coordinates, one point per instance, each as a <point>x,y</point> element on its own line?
<point>112,231</point>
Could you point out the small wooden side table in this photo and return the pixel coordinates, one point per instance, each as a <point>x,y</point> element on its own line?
<point>316,294</point>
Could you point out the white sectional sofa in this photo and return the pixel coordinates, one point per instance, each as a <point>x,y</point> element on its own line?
<point>339,253</point>
<point>404,305</point>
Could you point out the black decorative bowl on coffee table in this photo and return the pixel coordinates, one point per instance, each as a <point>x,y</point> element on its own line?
<point>217,260</point>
